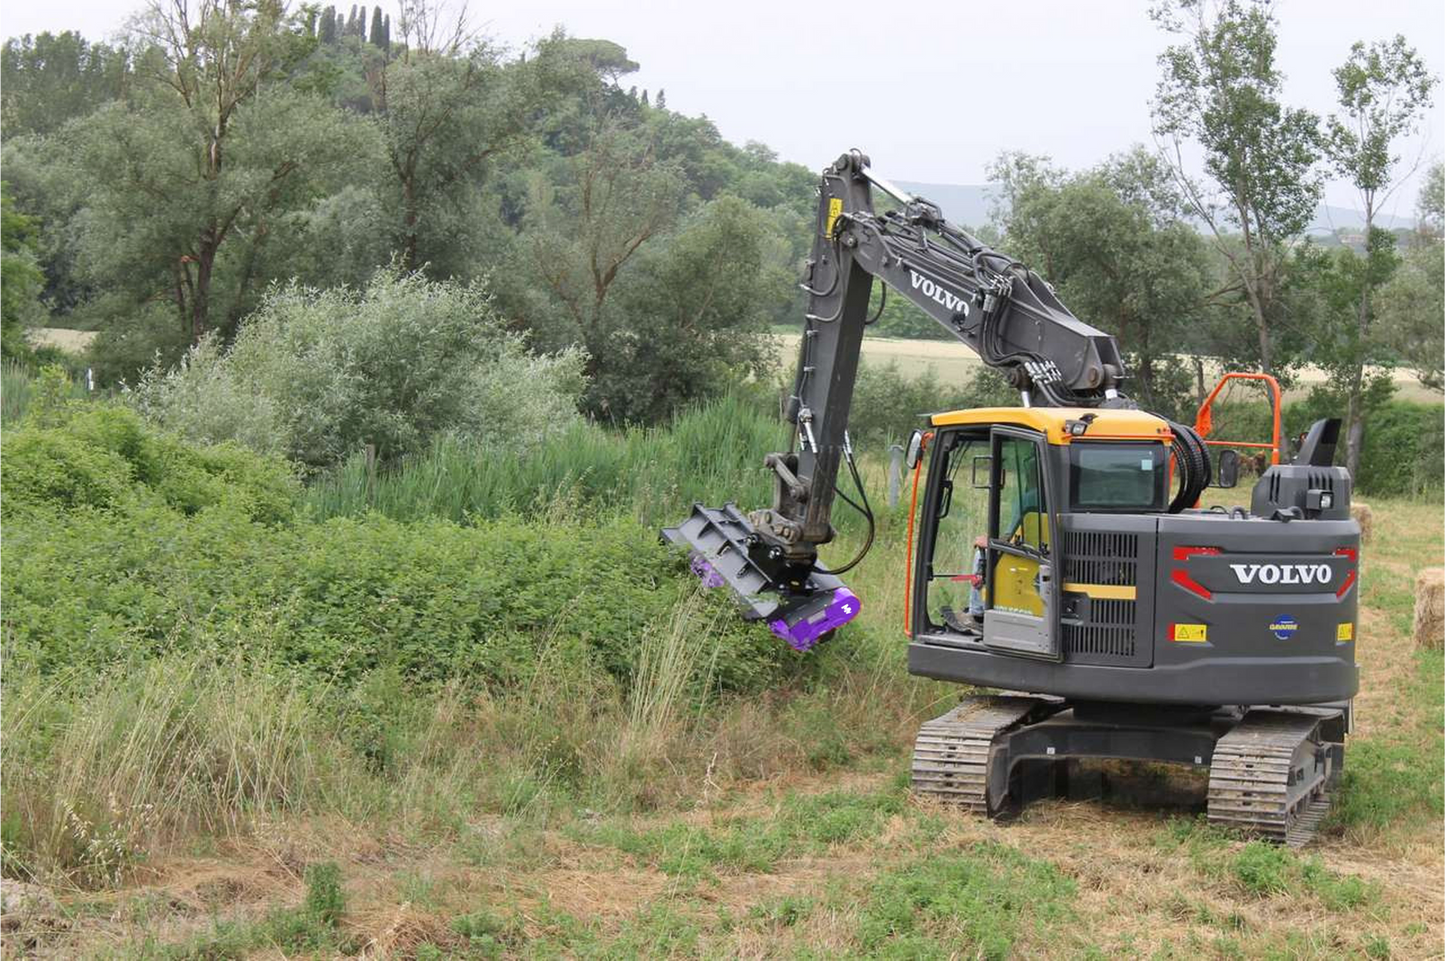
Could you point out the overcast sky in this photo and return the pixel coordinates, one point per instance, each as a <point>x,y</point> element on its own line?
<point>933,91</point>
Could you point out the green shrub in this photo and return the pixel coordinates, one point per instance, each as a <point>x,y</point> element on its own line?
<point>342,598</point>
<point>104,457</point>
<point>317,375</point>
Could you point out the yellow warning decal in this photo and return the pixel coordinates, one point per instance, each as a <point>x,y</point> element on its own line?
<point>835,207</point>
<point>1345,632</point>
<point>1189,633</point>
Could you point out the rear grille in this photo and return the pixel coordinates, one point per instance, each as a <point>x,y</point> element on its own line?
<point>1108,631</point>
<point>1104,629</point>
<point>1098,557</point>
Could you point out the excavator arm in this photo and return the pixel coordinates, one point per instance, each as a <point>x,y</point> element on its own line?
<point>1003,311</point>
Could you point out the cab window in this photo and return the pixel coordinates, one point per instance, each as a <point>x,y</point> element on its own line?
<point>1021,515</point>
<point>1119,477</point>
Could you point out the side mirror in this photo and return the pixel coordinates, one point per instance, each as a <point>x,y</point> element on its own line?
<point>982,465</point>
<point>1228,468</point>
<point>915,449</point>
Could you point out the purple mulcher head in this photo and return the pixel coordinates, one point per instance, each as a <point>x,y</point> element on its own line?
<point>804,624</point>
<point>717,541</point>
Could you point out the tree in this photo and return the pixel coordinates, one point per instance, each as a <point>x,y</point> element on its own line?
<point>689,320</point>
<point>20,278</point>
<point>610,201</point>
<point>327,31</point>
<point>1113,243</point>
<point>1220,89</point>
<point>1430,206</point>
<point>1384,91</point>
<point>446,116</point>
<point>1412,303</point>
<point>50,79</point>
<point>185,185</point>
<point>378,30</point>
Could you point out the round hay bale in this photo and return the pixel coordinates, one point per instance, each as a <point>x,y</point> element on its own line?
<point>1364,515</point>
<point>1430,608</point>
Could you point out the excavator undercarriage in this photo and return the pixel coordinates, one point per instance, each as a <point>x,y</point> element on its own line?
<point>1271,770</point>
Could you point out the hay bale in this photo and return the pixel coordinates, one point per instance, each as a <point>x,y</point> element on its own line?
<point>1364,515</point>
<point>1430,608</point>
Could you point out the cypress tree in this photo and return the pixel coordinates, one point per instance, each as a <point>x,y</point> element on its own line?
<point>328,25</point>
<point>386,33</point>
<point>377,37</point>
<point>661,99</point>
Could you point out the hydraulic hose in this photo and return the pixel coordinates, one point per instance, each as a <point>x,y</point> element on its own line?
<point>1195,467</point>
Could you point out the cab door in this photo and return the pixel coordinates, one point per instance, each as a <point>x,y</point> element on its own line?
<point>1021,599</point>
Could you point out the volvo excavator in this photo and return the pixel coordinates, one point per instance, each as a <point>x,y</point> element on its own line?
<point>1059,557</point>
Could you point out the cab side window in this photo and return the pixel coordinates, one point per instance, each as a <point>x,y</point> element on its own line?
<point>1022,514</point>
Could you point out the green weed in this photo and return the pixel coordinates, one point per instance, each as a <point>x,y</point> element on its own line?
<point>984,899</point>
<point>803,824</point>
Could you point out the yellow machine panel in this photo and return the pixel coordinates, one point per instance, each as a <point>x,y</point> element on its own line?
<point>1015,579</point>
<point>1052,422</point>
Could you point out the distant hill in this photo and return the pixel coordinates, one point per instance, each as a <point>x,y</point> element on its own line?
<point>969,205</point>
<point>965,204</point>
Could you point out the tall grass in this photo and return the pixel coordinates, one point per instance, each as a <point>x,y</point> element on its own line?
<point>18,388</point>
<point>14,391</point>
<point>705,454</point>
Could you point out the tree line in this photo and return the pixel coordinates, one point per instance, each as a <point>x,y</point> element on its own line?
<point>160,186</point>
<point>225,147</point>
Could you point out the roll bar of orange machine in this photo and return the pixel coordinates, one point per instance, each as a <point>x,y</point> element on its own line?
<point>1204,422</point>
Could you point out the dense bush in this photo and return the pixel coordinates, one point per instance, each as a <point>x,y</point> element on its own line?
<point>104,458</point>
<point>317,375</point>
<point>124,544</point>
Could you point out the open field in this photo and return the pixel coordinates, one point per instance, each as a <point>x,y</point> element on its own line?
<point>75,341</point>
<point>783,827</point>
<point>954,363</point>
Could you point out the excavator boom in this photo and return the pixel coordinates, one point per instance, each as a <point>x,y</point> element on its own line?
<point>1000,309</point>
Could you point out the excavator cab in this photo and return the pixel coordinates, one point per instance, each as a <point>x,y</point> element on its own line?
<point>988,565</point>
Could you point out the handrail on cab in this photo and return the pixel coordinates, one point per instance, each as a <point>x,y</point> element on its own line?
<point>1204,422</point>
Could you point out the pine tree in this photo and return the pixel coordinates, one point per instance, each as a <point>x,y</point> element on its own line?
<point>377,39</point>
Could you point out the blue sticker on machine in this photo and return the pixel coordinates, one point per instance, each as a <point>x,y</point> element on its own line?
<point>1284,627</point>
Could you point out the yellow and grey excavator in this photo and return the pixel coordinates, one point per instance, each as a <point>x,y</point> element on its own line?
<point>1059,557</point>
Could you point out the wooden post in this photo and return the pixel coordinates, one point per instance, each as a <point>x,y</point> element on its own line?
<point>370,475</point>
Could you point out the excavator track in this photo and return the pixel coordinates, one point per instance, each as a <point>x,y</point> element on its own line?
<point>951,754</point>
<point>1270,776</point>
